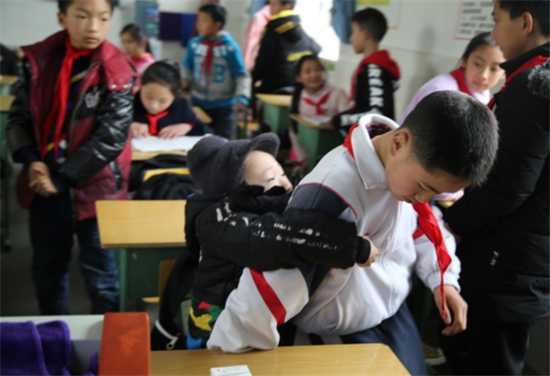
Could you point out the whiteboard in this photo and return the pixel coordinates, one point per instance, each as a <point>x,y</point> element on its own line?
<point>390,8</point>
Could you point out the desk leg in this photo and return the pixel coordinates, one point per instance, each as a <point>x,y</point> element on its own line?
<point>122,259</point>
<point>318,142</point>
<point>6,171</point>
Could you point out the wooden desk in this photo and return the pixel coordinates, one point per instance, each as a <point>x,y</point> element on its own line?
<point>360,359</point>
<point>144,233</point>
<point>317,140</point>
<point>5,105</point>
<point>138,156</point>
<point>276,110</point>
<point>202,115</point>
<point>6,82</point>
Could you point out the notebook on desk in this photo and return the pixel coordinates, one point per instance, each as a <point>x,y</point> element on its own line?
<point>317,119</point>
<point>155,144</point>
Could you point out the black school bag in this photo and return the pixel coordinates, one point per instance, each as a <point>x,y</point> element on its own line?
<point>162,161</point>
<point>167,186</point>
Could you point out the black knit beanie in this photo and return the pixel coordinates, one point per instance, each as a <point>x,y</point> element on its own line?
<point>216,164</point>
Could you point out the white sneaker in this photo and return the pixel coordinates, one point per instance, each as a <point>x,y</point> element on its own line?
<point>433,355</point>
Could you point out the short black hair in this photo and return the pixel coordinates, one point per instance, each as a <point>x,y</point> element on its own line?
<point>164,72</point>
<point>482,39</point>
<point>373,20</point>
<point>216,11</point>
<point>303,59</point>
<point>539,10</point>
<point>62,5</point>
<point>292,3</point>
<point>454,133</point>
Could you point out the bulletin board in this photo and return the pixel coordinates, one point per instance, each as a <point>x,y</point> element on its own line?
<point>390,8</point>
<point>474,17</point>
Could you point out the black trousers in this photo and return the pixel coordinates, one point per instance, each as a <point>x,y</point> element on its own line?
<point>487,347</point>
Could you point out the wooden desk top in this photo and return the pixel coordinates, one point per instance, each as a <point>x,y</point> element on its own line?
<point>202,115</point>
<point>309,124</point>
<point>275,99</point>
<point>5,102</point>
<point>360,359</point>
<point>143,156</point>
<point>8,80</point>
<point>141,224</point>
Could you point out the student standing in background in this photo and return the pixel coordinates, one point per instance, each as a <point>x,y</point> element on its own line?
<point>253,35</point>
<point>504,224</point>
<point>214,70</point>
<point>136,46</point>
<point>70,132</point>
<point>375,80</point>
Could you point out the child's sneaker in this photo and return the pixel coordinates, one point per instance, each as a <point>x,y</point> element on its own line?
<point>433,355</point>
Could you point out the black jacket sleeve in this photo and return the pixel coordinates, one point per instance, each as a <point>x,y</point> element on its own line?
<point>266,56</point>
<point>274,241</point>
<point>188,115</point>
<point>106,141</point>
<point>374,94</point>
<point>19,130</point>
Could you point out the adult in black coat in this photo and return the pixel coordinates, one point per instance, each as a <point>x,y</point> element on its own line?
<point>504,225</point>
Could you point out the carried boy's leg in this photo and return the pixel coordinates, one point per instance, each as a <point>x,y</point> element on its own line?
<point>98,267</point>
<point>51,233</point>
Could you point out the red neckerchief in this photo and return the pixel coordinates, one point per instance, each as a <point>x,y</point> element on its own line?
<point>208,58</point>
<point>537,60</point>
<point>147,55</point>
<point>317,105</point>
<point>458,75</point>
<point>153,121</point>
<point>61,96</point>
<point>380,58</point>
<point>428,226</point>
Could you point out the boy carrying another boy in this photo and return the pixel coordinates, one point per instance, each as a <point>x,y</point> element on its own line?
<point>448,141</point>
<point>504,225</point>
<point>284,42</point>
<point>375,80</point>
<point>74,139</point>
<point>213,67</point>
<point>245,193</point>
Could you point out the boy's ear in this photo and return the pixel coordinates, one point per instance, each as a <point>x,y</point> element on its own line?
<point>400,141</point>
<point>61,19</point>
<point>528,24</point>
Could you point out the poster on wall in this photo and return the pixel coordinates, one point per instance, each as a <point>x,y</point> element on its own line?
<point>474,17</point>
<point>390,8</point>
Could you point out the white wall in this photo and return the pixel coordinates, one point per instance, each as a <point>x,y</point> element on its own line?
<point>30,21</point>
<point>422,45</point>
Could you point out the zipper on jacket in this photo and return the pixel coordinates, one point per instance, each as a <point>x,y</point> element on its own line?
<point>117,175</point>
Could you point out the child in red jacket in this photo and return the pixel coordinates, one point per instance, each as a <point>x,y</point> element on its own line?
<point>70,132</point>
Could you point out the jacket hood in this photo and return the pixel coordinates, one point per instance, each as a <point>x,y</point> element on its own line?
<point>287,24</point>
<point>539,80</point>
<point>383,60</point>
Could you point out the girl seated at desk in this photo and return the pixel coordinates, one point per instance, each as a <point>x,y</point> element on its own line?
<point>159,110</point>
<point>314,97</point>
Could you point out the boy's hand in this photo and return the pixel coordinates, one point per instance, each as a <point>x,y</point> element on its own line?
<point>374,252</point>
<point>457,305</point>
<point>240,107</point>
<point>44,186</point>
<point>139,129</point>
<point>174,131</point>
<point>37,169</point>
